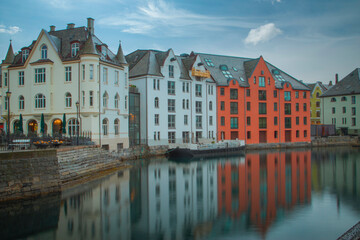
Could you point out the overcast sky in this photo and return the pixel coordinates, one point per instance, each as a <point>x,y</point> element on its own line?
<point>310,40</point>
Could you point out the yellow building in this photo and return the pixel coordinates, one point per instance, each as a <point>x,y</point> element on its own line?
<point>317,89</point>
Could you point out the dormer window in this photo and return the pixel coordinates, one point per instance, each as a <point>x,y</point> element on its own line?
<point>25,54</point>
<point>74,49</point>
<point>103,50</point>
<point>44,52</point>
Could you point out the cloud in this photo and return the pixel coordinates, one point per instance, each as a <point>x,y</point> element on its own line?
<point>158,16</point>
<point>263,33</point>
<point>9,30</point>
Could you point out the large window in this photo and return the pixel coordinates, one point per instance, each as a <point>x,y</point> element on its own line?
<point>233,108</point>
<point>198,107</point>
<point>287,108</point>
<point>171,121</point>
<point>21,78</point>
<point>262,108</point>
<point>234,123</point>
<point>91,98</point>
<point>222,105</point>
<point>261,82</point>
<point>288,122</point>
<point>116,101</point>
<point>171,137</point>
<point>287,96</point>
<point>275,106</point>
<point>198,122</point>
<point>105,75</point>
<point>116,126</point>
<point>353,99</point>
<point>105,100</point>
<point>44,52</point>
<point>67,74</point>
<point>21,102</point>
<point>262,95</point>
<point>262,122</point>
<point>305,107</point>
<point>91,71</point>
<point>210,106</point>
<point>171,87</point>
<point>40,75</point>
<point>233,94</point>
<point>40,101</point>
<point>116,79</point>
<point>68,99</point>
<point>171,71</point>
<point>198,90</point>
<point>73,127</point>
<point>105,126</point>
<point>171,105</point>
<point>74,49</point>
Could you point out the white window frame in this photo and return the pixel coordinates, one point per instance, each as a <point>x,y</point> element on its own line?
<point>40,101</point>
<point>74,49</point>
<point>21,78</point>
<point>40,75</point>
<point>68,74</point>
<point>68,100</point>
<point>21,102</point>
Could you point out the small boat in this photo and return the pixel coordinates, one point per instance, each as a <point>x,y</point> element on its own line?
<point>195,151</point>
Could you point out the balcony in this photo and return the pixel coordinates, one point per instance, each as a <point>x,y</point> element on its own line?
<point>199,73</point>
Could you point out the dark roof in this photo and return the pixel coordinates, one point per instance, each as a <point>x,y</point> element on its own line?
<point>9,55</point>
<point>348,85</point>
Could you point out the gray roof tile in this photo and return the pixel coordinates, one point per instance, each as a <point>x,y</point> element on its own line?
<point>348,85</point>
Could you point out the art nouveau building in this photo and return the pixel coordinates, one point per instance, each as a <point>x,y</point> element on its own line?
<point>68,72</point>
<point>177,95</point>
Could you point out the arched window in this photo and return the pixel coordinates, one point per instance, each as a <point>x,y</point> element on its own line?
<point>21,102</point>
<point>44,52</point>
<point>116,126</point>
<point>73,127</point>
<point>343,99</point>
<point>333,99</point>
<point>68,99</point>
<point>105,100</point>
<point>40,101</point>
<point>116,101</point>
<point>74,49</point>
<point>105,126</point>
<point>156,102</point>
<point>210,105</point>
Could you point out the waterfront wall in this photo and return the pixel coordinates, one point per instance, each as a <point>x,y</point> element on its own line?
<point>141,151</point>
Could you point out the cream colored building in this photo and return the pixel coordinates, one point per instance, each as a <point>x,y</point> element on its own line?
<point>68,72</point>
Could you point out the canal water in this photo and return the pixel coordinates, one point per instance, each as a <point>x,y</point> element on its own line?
<point>297,194</point>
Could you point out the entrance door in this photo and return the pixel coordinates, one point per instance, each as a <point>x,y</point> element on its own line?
<point>234,135</point>
<point>57,127</point>
<point>287,135</point>
<point>262,137</point>
<point>32,127</point>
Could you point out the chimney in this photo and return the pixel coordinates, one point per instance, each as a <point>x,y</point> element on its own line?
<point>336,78</point>
<point>70,26</point>
<point>330,83</point>
<point>52,28</point>
<point>90,25</point>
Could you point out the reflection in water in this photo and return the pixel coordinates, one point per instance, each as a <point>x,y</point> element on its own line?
<point>236,196</point>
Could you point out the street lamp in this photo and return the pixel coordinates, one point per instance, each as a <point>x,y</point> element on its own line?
<point>77,122</point>
<point>8,95</point>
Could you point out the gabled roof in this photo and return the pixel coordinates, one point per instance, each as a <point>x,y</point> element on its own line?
<point>348,85</point>
<point>322,86</point>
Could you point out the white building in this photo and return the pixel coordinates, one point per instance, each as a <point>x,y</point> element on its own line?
<point>177,95</point>
<point>57,71</point>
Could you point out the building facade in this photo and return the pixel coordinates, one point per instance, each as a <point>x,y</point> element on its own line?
<point>177,95</point>
<point>341,104</point>
<point>68,76</point>
<point>317,89</point>
<point>258,102</point>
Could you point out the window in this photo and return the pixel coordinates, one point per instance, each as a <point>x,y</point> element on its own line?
<point>248,135</point>
<point>288,122</point>
<point>275,93</point>
<point>91,98</point>
<point>305,120</point>
<point>262,108</point>
<point>317,113</point>
<point>171,138</point>
<point>353,111</point>
<point>171,87</point>
<point>116,101</point>
<point>297,133</point>
<point>40,101</point>
<point>248,121</point>
<point>156,119</point>
<point>171,105</point>
<point>234,123</point>
<point>126,102</point>
<point>21,102</point>
<point>25,54</point>
<point>198,91</point>
<point>353,100</point>
<point>262,122</point>
<point>222,91</point>
<point>171,121</point>
<point>262,95</point>
<point>68,99</point>
<point>233,94</point>
<point>287,108</point>
<point>333,99</point>
<point>156,102</point>
<point>67,74</point>
<point>105,126</point>
<point>275,106</point>
<point>233,108</point>
<point>317,104</point>
<point>187,103</point>
<point>275,121</point>
<point>186,137</point>
<point>171,71</point>
<point>304,107</point>
<point>248,106</point>
<point>210,106</point>
<point>287,96</point>
<point>275,134</point>
<point>74,49</point>
<point>209,62</point>
<point>186,117</point>
<point>210,120</point>
<point>297,107</point>
<point>305,133</point>
<point>83,97</point>
<point>116,79</point>
<point>105,75</point>
<point>5,79</point>
<point>198,107</point>
<point>343,99</point>
<point>353,121</point>
<point>116,126</point>
<point>6,103</point>
<point>344,121</point>
<point>344,109</point>
<point>222,105</point>
<point>154,84</point>
<point>21,78</point>
<point>73,127</point>
<point>304,95</point>
<point>224,69</point>
<point>91,71</point>
<point>296,94</point>
<point>254,80</point>
<point>198,122</point>
<point>333,120</point>
<point>83,71</point>
<point>297,120</point>
<point>222,121</point>
<point>40,75</point>
<point>248,92</point>
<point>261,82</point>
<point>105,100</point>
<point>44,52</point>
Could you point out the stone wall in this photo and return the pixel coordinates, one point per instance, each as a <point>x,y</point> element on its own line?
<point>28,174</point>
<point>141,151</point>
<point>334,141</point>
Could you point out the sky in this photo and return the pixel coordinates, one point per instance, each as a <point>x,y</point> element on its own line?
<point>310,40</point>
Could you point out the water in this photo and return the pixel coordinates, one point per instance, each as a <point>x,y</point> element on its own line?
<point>299,194</point>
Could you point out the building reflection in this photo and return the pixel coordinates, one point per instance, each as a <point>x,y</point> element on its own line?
<point>262,187</point>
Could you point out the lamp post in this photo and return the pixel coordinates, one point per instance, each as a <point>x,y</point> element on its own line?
<point>8,95</point>
<point>77,122</point>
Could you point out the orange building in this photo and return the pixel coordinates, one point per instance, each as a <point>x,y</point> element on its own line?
<point>258,102</point>
<point>263,185</point>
